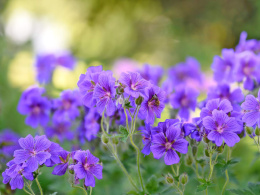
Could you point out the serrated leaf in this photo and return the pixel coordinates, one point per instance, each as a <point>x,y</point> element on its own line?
<point>233,161</point>
<point>128,105</point>
<point>124,133</point>
<point>254,187</point>
<point>201,187</point>
<point>152,184</point>
<point>202,180</point>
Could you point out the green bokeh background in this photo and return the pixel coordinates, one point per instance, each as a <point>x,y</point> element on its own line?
<point>157,32</point>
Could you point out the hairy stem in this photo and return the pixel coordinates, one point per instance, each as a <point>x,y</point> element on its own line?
<point>26,191</point>
<point>226,171</point>
<point>39,185</point>
<point>90,191</point>
<point>29,188</point>
<point>83,189</point>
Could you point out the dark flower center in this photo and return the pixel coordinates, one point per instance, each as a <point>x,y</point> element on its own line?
<point>88,166</point>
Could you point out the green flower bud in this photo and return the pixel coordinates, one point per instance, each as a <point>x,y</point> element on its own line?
<point>188,160</point>
<point>257,131</point>
<point>115,140</point>
<point>183,178</point>
<point>192,142</point>
<point>139,100</point>
<point>220,149</point>
<point>104,139</point>
<point>194,150</point>
<point>206,152</point>
<point>169,179</point>
<point>249,130</point>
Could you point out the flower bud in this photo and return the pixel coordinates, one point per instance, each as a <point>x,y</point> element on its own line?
<point>183,178</point>
<point>192,142</point>
<point>115,140</point>
<point>188,160</point>
<point>104,139</point>
<point>220,149</point>
<point>257,131</point>
<point>194,150</point>
<point>249,130</point>
<point>169,179</point>
<point>71,169</point>
<point>139,100</point>
<point>120,90</point>
<point>206,152</point>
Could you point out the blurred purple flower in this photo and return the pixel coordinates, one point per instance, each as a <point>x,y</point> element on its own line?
<point>152,73</point>
<point>36,107</point>
<point>66,60</point>
<point>133,83</point>
<point>8,142</point>
<point>147,137</point>
<point>153,104</point>
<point>184,99</point>
<point>168,144</point>
<point>195,129</point>
<point>223,68</point>
<point>54,150</point>
<point>63,164</point>
<point>221,128</point>
<point>247,45</point>
<point>87,167</point>
<point>60,130</point>
<point>91,124</point>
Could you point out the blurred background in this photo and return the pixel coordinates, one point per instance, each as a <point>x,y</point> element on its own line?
<point>112,32</point>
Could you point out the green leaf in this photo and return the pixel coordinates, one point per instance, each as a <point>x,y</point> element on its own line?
<point>127,105</point>
<point>132,192</point>
<point>54,193</point>
<point>202,180</point>
<point>233,161</point>
<point>241,192</point>
<point>254,187</point>
<point>124,133</point>
<point>201,187</point>
<point>152,184</point>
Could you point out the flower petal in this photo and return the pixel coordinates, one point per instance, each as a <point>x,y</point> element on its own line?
<point>181,145</point>
<point>171,157</point>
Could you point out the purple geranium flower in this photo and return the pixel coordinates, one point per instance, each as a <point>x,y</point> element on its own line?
<point>15,173</point>
<point>36,107</point>
<point>45,65</point>
<point>33,151</point>
<point>91,124</point>
<point>8,142</point>
<point>251,107</point>
<point>195,129</point>
<point>216,104</point>
<point>54,150</point>
<point>147,137</point>
<point>104,93</point>
<point>153,104</point>
<point>133,83</point>
<point>163,126</point>
<point>223,68</point>
<point>60,130</point>
<point>221,128</point>
<point>67,106</point>
<point>87,83</point>
<point>223,92</point>
<point>152,73</point>
<point>168,144</point>
<point>87,167</point>
<point>63,164</point>
<point>66,60</point>
<point>247,45</point>
<point>248,69</point>
<point>184,99</point>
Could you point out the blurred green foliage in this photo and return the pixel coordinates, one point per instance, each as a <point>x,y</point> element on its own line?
<point>153,31</point>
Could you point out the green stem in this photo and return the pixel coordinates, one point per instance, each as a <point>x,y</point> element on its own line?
<point>90,191</point>
<point>30,188</point>
<point>173,171</point>
<point>226,171</point>
<point>83,189</point>
<point>177,188</point>
<point>126,117</point>
<point>122,167</point>
<point>211,166</point>
<point>39,185</point>
<point>257,144</point>
<point>26,191</point>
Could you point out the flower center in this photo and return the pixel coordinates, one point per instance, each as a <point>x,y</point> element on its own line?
<point>33,153</point>
<point>168,145</point>
<point>66,104</point>
<point>220,129</point>
<point>133,86</point>
<point>87,166</point>
<point>36,110</point>
<point>184,102</point>
<point>247,70</point>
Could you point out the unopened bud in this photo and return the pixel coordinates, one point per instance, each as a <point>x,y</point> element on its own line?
<point>71,169</point>
<point>192,142</point>
<point>115,140</point>
<point>139,100</point>
<point>184,178</point>
<point>194,150</point>
<point>169,179</point>
<point>220,149</point>
<point>188,160</point>
<point>104,139</point>
<point>206,152</point>
<point>249,130</point>
<point>257,131</point>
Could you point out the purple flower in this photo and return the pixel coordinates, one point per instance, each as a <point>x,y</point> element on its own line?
<point>251,107</point>
<point>152,73</point>
<point>134,84</point>
<point>168,144</point>
<point>54,150</point>
<point>67,106</point>
<point>168,87</point>
<point>222,128</point>
<point>8,142</point>
<point>186,72</point>
<point>66,60</point>
<point>60,130</point>
<point>91,124</point>
<point>33,151</point>
<point>15,173</point>
<point>195,129</point>
<point>223,92</point>
<point>153,104</point>
<point>184,99</point>
<point>163,126</point>
<point>36,107</point>
<point>87,167</point>
<point>104,93</point>
<point>45,65</point>
<point>216,104</point>
<point>223,68</point>
<point>146,133</point>
<point>247,45</point>
<point>87,83</point>
<point>63,164</point>
<point>248,69</point>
